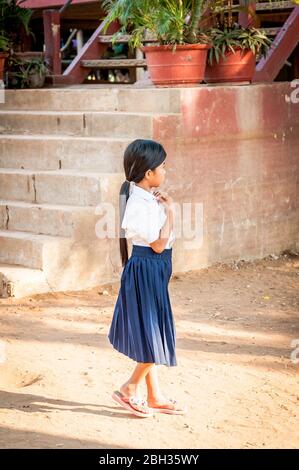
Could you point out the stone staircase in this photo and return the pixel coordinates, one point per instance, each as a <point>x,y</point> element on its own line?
<point>60,158</point>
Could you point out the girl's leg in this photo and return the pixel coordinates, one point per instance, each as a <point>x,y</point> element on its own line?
<point>131,387</point>
<point>153,388</point>
<point>155,397</point>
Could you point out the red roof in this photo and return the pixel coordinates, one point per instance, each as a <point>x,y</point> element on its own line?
<point>51,3</point>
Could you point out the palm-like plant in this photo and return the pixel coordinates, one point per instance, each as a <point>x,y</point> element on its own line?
<point>22,70</point>
<point>171,21</point>
<point>14,19</point>
<point>4,43</point>
<point>231,39</point>
<point>227,35</point>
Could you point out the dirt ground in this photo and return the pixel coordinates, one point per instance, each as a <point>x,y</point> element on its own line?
<point>236,371</point>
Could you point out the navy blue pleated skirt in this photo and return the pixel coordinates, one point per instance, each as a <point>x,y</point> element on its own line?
<point>142,325</point>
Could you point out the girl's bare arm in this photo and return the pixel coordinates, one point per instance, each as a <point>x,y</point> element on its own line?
<point>159,245</point>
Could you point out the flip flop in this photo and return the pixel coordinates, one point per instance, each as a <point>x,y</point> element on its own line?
<point>173,411</point>
<point>135,405</point>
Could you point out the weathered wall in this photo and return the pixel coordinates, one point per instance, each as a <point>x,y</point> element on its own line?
<point>232,154</point>
<point>235,149</point>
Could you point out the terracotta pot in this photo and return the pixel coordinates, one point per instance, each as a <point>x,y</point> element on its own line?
<point>238,67</point>
<point>3,57</point>
<point>37,80</point>
<point>185,66</point>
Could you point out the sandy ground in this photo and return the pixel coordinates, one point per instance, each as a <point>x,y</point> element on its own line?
<point>235,326</point>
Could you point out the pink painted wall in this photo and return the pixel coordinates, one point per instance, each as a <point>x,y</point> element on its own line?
<point>235,149</point>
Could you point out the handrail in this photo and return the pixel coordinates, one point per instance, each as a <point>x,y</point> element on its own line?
<point>63,48</point>
<point>64,7</point>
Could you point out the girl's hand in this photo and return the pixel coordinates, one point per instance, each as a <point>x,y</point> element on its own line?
<point>164,198</point>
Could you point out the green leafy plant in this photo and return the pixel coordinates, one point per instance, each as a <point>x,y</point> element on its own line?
<point>227,35</point>
<point>14,21</point>
<point>22,71</point>
<point>236,37</point>
<point>170,21</point>
<point>4,43</point>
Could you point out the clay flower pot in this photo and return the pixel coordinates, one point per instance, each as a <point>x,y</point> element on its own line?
<point>185,66</point>
<point>238,67</point>
<point>3,56</point>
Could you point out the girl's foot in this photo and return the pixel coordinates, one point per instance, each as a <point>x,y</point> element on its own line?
<point>129,397</point>
<point>164,405</point>
<point>135,405</point>
<point>130,390</point>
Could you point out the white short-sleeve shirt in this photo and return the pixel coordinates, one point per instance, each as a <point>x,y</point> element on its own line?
<point>144,216</point>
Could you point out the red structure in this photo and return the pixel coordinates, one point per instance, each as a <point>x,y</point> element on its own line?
<point>52,40</point>
<point>281,48</point>
<point>54,11</point>
<point>50,3</point>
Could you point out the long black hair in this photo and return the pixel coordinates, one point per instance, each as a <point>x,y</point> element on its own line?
<point>140,155</point>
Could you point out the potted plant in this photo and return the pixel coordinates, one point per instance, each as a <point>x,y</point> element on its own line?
<point>27,73</point>
<point>4,47</point>
<point>14,26</point>
<point>36,71</point>
<point>181,52</point>
<point>14,23</point>
<point>232,57</point>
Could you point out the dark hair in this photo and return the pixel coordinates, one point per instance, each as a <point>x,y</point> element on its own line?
<point>140,155</point>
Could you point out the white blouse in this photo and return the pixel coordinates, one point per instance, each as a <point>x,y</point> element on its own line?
<point>144,216</point>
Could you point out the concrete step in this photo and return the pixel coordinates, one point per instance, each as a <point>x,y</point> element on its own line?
<point>68,187</point>
<point>95,98</point>
<point>65,264</point>
<point>60,158</point>
<point>18,281</point>
<point>88,124</point>
<point>50,152</point>
<point>26,249</point>
<point>48,219</point>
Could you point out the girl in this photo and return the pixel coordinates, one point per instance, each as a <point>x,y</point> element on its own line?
<point>142,326</point>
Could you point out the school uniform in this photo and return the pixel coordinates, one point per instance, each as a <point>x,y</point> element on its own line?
<point>142,325</point>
